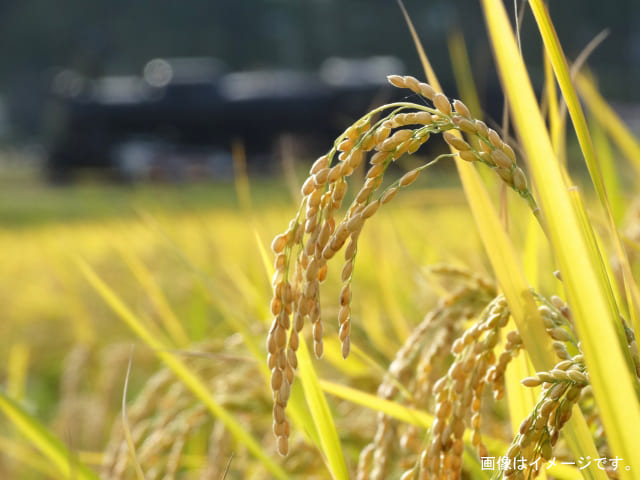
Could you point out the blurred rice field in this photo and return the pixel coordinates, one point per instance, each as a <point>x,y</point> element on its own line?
<point>191,264</point>
<point>134,322</point>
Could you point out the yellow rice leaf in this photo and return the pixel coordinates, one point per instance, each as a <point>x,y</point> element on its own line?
<point>181,370</point>
<point>24,454</point>
<point>53,449</point>
<point>146,279</point>
<point>522,400</point>
<point>393,409</point>
<point>17,367</point>
<point>407,415</point>
<point>322,418</point>
<point>608,163</point>
<point>558,60</point>
<point>422,419</point>
<point>557,122</point>
<point>462,73</point>
<point>588,296</point>
<point>468,92</point>
<point>505,261</point>
<point>263,254</point>
<point>610,121</point>
<point>127,427</point>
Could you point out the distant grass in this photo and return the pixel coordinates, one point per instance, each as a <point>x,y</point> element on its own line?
<point>200,250</point>
<point>26,200</point>
<point>26,204</point>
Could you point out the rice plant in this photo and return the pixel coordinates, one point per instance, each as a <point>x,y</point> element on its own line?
<point>482,332</point>
<point>579,369</point>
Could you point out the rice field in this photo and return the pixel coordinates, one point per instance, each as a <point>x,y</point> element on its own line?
<point>200,283</point>
<point>403,320</point>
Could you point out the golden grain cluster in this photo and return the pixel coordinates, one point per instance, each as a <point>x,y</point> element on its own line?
<point>481,352</point>
<point>498,369</point>
<point>317,233</point>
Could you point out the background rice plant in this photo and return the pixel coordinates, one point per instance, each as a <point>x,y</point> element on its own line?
<point>191,288</point>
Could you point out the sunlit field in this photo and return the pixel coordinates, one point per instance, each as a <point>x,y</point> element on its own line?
<point>368,314</point>
<point>199,280</point>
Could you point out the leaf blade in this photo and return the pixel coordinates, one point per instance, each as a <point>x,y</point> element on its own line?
<point>52,448</point>
<point>587,294</point>
<point>322,418</point>
<point>180,369</point>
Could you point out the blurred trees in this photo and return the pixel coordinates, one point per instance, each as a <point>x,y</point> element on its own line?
<point>120,36</point>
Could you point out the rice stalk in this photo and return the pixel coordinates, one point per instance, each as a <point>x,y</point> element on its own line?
<point>125,422</point>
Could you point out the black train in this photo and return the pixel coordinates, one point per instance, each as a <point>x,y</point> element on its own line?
<point>190,111</point>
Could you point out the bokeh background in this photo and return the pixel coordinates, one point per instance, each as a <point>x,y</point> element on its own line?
<point>38,38</point>
<point>176,187</point>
